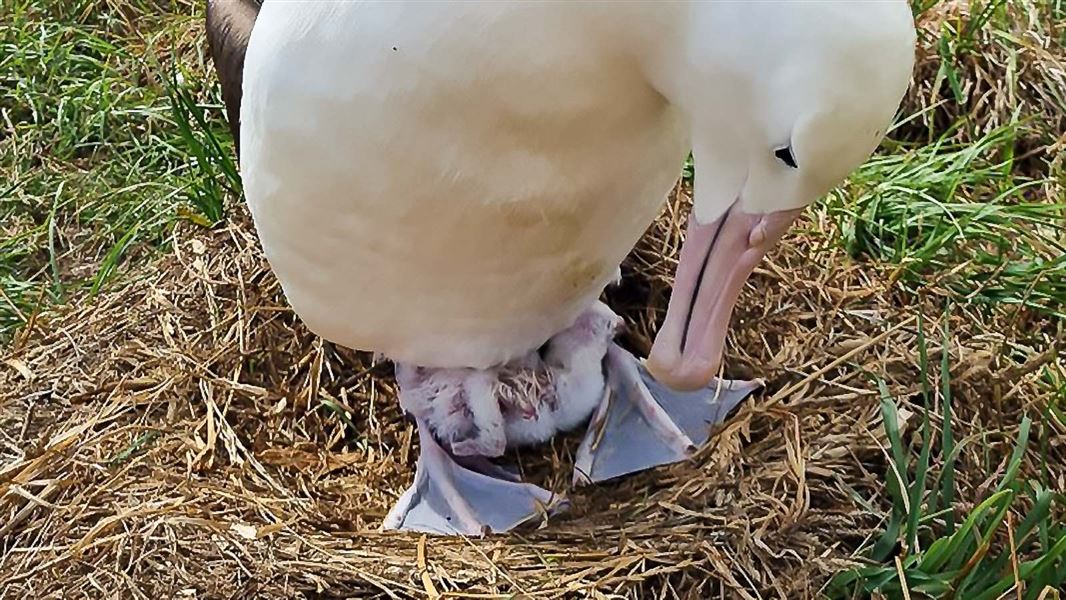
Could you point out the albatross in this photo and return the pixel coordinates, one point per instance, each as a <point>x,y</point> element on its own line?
<point>453,185</point>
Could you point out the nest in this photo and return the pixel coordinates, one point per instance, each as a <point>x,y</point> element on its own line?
<point>186,435</point>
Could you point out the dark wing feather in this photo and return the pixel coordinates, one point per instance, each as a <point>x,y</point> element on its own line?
<point>229,25</point>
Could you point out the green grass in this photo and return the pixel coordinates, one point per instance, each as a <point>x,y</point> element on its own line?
<point>960,205</point>
<point>97,156</point>
<point>210,149</point>
<point>930,551</point>
<point>960,216</point>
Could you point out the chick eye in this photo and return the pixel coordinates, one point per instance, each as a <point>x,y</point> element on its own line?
<point>785,155</point>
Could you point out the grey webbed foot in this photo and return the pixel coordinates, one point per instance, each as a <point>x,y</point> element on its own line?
<point>642,424</point>
<point>450,499</point>
<point>481,464</point>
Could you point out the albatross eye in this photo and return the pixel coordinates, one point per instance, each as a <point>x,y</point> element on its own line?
<point>785,155</point>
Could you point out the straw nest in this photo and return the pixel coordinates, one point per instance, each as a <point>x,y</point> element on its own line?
<point>186,436</point>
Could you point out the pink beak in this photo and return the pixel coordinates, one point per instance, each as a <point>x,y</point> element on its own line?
<point>716,260</point>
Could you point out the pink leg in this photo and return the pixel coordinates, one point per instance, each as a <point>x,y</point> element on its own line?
<point>591,442</point>
<point>622,366</point>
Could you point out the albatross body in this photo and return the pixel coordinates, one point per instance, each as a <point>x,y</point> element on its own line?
<point>442,199</point>
<point>454,184</point>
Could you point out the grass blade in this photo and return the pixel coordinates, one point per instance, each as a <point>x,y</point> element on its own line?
<point>112,259</point>
<point>947,437</point>
<point>918,487</point>
<point>945,549</point>
<point>1016,457</point>
<point>53,262</point>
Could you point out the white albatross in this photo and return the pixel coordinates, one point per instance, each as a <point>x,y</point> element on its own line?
<point>453,184</point>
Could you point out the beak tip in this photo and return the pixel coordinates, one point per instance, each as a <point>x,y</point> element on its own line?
<point>683,376</point>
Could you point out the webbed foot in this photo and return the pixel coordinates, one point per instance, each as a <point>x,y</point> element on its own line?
<point>641,423</point>
<point>449,499</point>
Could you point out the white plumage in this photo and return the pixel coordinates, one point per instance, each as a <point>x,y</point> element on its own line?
<point>442,204</point>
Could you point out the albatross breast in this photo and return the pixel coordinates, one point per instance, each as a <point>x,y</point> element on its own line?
<point>448,184</point>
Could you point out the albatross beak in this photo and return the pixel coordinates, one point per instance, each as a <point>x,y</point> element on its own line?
<point>716,260</point>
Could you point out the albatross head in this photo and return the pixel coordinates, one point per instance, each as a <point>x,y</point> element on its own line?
<point>785,100</point>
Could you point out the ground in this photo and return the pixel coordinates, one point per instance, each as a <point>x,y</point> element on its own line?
<point>168,428</point>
